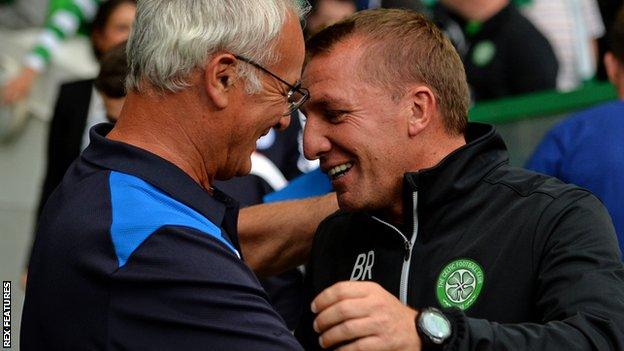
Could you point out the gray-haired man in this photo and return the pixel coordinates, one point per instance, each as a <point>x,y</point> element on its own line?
<point>136,249</point>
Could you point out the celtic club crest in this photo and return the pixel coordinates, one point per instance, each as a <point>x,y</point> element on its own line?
<point>459,284</point>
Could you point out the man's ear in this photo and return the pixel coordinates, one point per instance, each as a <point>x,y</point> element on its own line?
<point>219,76</point>
<point>423,106</point>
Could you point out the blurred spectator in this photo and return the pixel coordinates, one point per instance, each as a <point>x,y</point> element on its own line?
<point>328,12</point>
<point>503,53</point>
<point>415,5</point>
<point>78,108</point>
<point>608,10</point>
<point>572,27</point>
<point>587,149</point>
<point>22,14</point>
<point>64,20</point>
<point>111,81</point>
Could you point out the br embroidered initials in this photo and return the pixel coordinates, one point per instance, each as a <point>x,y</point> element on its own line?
<point>363,265</point>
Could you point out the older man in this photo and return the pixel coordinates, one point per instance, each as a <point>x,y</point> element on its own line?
<point>136,249</point>
<point>441,243</point>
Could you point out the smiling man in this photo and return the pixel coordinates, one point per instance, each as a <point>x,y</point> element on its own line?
<point>136,249</point>
<point>439,243</point>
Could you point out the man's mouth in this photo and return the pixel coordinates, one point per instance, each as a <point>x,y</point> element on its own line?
<point>339,170</point>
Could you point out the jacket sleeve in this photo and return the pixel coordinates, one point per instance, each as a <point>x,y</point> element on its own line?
<point>184,290</point>
<point>580,286</point>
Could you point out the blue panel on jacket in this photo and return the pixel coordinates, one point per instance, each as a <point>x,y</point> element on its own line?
<point>314,183</point>
<point>139,209</point>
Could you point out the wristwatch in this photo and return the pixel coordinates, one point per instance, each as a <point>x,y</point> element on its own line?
<point>433,327</point>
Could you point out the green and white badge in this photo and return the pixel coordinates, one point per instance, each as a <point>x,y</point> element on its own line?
<point>459,284</point>
<point>483,53</point>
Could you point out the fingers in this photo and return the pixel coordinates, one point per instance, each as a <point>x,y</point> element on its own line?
<point>340,311</point>
<point>369,343</point>
<point>344,312</point>
<point>348,330</point>
<point>339,291</point>
<point>363,316</point>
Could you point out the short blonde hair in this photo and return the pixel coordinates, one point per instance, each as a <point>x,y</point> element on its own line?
<point>403,47</point>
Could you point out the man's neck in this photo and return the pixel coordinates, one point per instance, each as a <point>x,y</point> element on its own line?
<point>436,144</point>
<point>432,153</point>
<point>149,123</point>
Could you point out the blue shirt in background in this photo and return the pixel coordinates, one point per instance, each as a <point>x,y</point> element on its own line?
<point>587,149</point>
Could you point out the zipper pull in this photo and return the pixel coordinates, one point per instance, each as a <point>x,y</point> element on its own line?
<point>408,249</point>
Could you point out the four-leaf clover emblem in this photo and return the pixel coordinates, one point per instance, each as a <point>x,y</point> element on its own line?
<point>460,285</point>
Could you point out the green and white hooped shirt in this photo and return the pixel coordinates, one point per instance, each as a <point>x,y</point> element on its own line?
<point>64,20</point>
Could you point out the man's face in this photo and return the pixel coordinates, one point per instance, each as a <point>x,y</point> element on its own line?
<point>256,114</point>
<point>359,133</point>
<point>117,28</point>
<point>468,9</point>
<point>328,12</point>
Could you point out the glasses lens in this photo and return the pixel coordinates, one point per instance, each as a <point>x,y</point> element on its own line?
<point>296,98</point>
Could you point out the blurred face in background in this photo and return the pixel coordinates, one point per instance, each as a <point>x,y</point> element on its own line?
<point>328,12</point>
<point>477,10</point>
<point>117,27</point>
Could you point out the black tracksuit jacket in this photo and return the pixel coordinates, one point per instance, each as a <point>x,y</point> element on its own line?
<point>552,272</point>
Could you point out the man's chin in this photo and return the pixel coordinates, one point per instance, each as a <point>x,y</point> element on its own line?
<point>357,202</point>
<point>245,169</point>
<point>347,204</point>
<point>240,171</point>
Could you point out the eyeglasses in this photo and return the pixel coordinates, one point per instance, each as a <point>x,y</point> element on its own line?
<point>296,95</point>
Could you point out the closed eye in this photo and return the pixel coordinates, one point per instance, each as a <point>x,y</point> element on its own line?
<point>335,116</point>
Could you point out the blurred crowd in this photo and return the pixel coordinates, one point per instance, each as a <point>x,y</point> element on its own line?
<point>508,48</point>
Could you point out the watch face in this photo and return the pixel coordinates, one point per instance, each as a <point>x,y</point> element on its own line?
<point>436,325</point>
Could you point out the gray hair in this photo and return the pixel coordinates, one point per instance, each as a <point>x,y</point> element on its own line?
<point>171,38</point>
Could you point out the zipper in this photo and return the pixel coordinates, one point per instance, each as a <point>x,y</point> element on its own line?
<point>407,247</point>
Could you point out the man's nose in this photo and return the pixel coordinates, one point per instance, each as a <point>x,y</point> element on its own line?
<point>282,123</point>
<point>315,142</point>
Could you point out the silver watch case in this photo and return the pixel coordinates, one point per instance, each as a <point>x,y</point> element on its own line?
<point>434,325</point>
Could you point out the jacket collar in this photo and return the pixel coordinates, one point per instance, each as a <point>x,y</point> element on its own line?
<point>162,174</point>
<point>460,171</point>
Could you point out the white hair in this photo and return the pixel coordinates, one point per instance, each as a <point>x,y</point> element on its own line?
<point>170,38</point>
